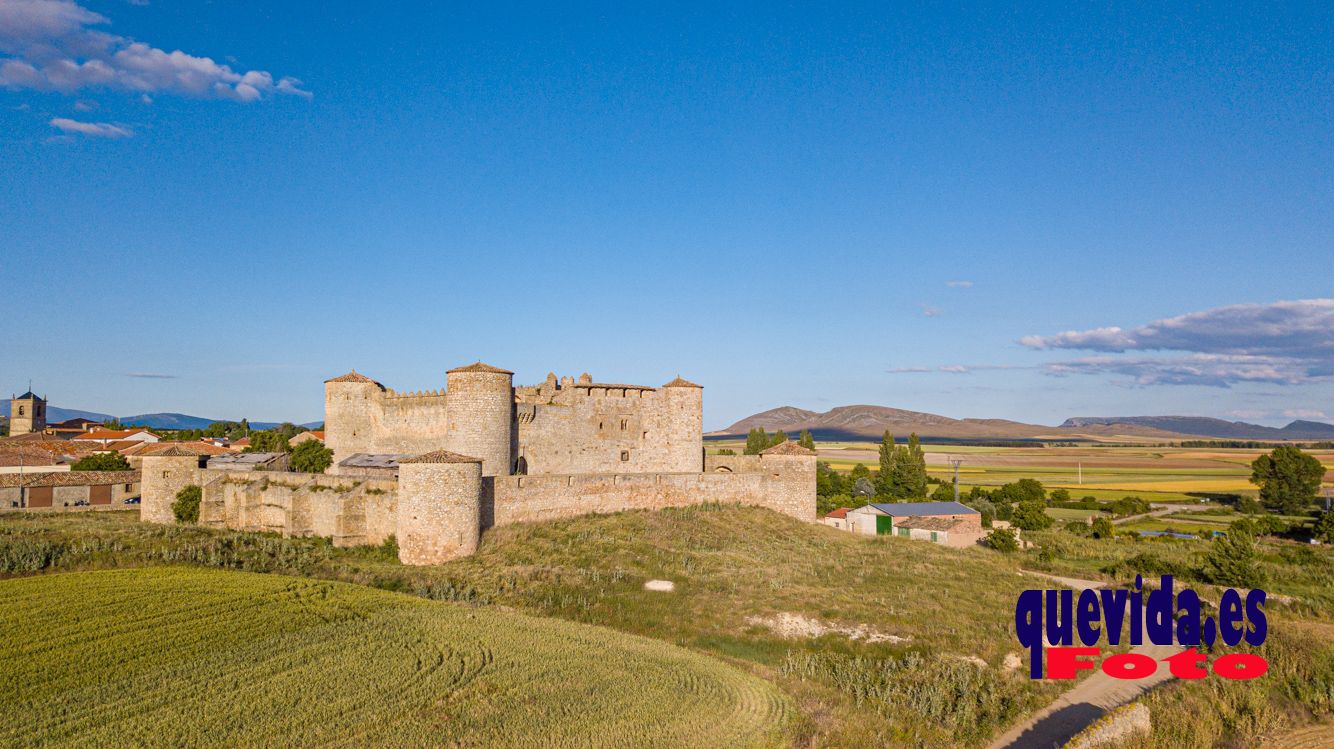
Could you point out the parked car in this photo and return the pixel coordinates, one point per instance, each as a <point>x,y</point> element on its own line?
<point>132,501</point>
<point>81,503</point>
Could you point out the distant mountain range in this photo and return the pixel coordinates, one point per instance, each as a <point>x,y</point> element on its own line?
<point>152,421</point>
<point>861,422</point>
<point>1218,428</point>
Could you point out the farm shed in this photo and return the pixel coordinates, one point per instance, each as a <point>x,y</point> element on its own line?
<point>947,523</point>
<point>67,489</point>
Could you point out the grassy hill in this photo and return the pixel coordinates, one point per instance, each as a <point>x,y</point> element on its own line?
<point>196,657</point>
<point>877,641</point>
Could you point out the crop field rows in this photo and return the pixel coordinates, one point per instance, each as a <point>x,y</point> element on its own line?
<point>188,657</point>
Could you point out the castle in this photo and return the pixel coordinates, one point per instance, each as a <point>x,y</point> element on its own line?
<point>481,453</point>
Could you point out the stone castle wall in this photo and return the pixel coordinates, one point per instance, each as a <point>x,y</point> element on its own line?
<point>352,511</point>
<point>519,499</point>
<point>558,427</point>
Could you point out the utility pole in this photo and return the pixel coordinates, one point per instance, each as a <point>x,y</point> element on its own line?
<point>956,461</point>
<point>1081,472</point>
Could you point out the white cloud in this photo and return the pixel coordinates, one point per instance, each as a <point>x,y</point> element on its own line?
<point>959,284</point>
<point>52,45</point>
<point>1304,413</point>
<point>929,311</point>
<point>91,129</point>
<point>1210,370</point>
<point>1295,328</point>
<point>1287,343</point>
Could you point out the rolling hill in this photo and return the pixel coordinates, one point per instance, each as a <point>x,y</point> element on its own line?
<point>166,420</point>
<point>861,422</point>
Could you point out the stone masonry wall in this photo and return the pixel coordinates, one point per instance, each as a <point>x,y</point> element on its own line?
<point>352,511</point>
<point>786,486</point>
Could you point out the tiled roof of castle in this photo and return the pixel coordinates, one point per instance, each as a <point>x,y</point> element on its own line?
<point>441,456</point>
<point>787,448</point>
<point>178,448</point>
<point>28,396</point>
<point>679,382</point>
<point>353,376</point>
<point>478,366</point>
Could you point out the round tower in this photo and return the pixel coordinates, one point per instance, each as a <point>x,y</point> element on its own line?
<point>162,475</point>
<point>479,403</point>
<point>439,507</point>
<point>351,413</point>
<point>683,417</point>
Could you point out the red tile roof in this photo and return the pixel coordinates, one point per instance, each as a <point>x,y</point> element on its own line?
<point>479,367</point>
<point>110,434</point>
<point>841,512</point>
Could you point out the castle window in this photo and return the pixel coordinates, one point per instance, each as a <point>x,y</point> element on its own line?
<point>166,474</point>
<point>623,423</point>
<point>129,487</point>
<point>625,456</point>
<point>21,410</point>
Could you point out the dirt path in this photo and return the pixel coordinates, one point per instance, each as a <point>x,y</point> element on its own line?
<point>1087,701</point>
<point>1311,737</point>
<point>1153,513</point>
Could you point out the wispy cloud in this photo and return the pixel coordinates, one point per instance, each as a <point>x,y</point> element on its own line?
<point>1286,343</point>
<point>91,129</point>
<point>1304,413</point>
<point>959,284</point>
<point>954,368</point>
<point>929,311</point>
<point>56,45</point>
<point>152,376</point>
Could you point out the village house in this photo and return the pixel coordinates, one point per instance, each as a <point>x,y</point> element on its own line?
<point>249,462</point>
<point>946,523</point>
<point>117,438</point>
<point>306,436</point>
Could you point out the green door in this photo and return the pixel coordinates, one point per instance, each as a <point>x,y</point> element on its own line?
<point>933,536</point>
<point>884,524</point>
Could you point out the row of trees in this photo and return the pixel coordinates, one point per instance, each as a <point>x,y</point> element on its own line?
<point>758,440</point>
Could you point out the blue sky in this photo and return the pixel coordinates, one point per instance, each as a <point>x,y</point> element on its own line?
<point>790,206</point>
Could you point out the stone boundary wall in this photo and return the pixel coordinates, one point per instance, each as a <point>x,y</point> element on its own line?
<point>351,510</point>
<point>781,483</point>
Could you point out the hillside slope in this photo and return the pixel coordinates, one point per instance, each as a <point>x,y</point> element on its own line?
<point>193,657</point>
<point>860,422</point>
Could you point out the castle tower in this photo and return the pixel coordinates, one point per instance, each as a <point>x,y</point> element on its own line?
<point>480,412</point>
<point>683,417</point>
<point>791,486</point>
<point>350,414</point>
<point>27,413</point>
<point>163,474</point>
<point>439,507</point>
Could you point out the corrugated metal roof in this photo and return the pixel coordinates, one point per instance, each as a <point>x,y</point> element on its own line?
<point>905,509</point>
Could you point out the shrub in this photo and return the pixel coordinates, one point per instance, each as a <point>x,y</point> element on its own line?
<point>1078,528</point>
<point>1031,515</point>
<point>112,461</point>
<point>1102,528</point>
<point>1324,527</point>
<point>1232,560</point>
<point>186,506</point>
<point>1003,540</point>
<point>311,456</point>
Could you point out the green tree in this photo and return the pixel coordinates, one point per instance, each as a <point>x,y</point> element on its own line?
<point>806,440</point>
<point>778,438</point>
<point>1059,495</point>
<point>1288,479</point>
<point>1003,540</point>
<point>1324,527</point>
<point>267,442</point>
<point>112,461</point>
<point>756,440</point>
<point>943,493</point>
<point>885,479</point>
<point>1031,515</point>
<point>311,456</point>
<point>1232,560</point>
<point>186,506</point>
<point>828,482</point>
<point>908,477</point>
<point>1102,528</point>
